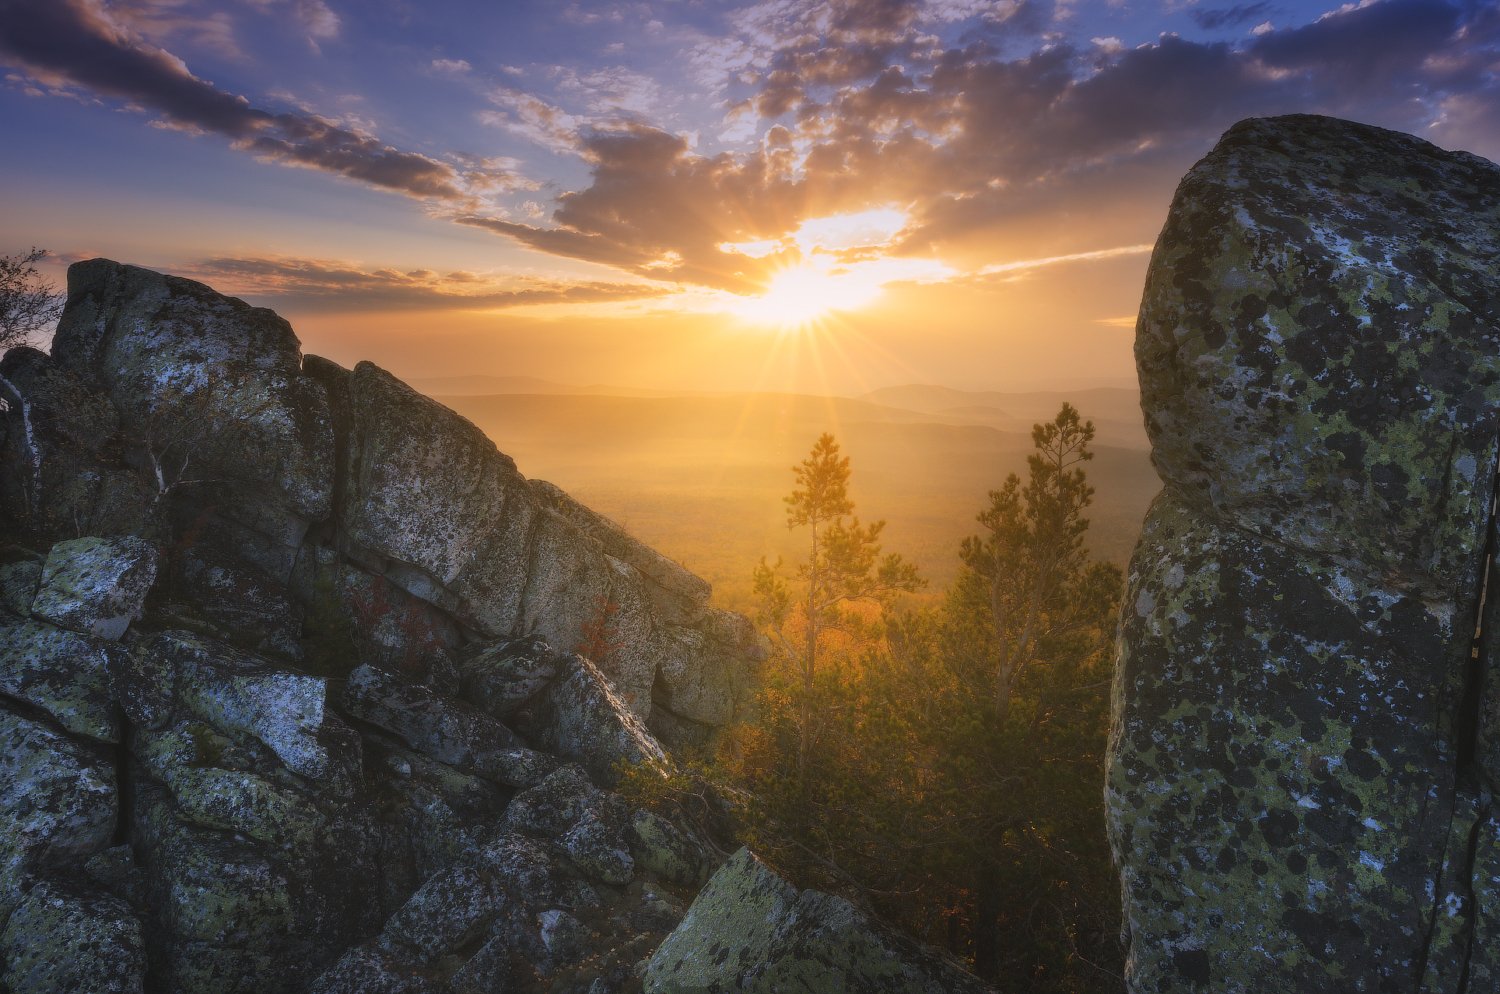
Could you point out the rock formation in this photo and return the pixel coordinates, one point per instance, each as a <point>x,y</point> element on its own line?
<point>288,695</point>
<point>752,931</point>
<point>1304,756</point>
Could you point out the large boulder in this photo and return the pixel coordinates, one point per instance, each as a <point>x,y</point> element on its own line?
<point>750,930</point>
<point>96,585</point>
<point>580,717</point>
<point>590,823</point>
<point>442,729</point>
<point>1299,789</point>
<point>455,523</point>
<point>177,672</point>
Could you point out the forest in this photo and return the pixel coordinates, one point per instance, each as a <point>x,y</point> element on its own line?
<point>939,758</point>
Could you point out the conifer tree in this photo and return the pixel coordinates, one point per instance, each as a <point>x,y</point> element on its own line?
<point>1031,562</point>
<point>844,566</point>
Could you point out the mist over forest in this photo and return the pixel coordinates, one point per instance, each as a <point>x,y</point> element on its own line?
<point>701,477</point>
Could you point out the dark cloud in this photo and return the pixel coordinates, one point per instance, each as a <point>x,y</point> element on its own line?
<point>1381,46</point>
<point>1229,17</point>
<point>658,210</point>
<point>77,43</point>
<point>315,285</point>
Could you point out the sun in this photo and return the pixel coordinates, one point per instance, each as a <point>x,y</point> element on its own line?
<point>806,293</point>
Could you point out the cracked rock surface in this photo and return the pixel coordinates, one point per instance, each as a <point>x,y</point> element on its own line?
<point>1302,757</point>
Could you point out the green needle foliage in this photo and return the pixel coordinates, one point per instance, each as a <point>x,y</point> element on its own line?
<point>944,766</point>
<point>843,569</point>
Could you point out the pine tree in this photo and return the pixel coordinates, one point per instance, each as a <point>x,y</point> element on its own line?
<point>844,566</point>
<point>1038,583</point>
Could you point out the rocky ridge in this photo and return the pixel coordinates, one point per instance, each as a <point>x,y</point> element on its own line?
<point>288,695</point>
<point>1303,764</point>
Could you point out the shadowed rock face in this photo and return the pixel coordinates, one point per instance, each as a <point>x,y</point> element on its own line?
<point>280,643</point>
<point>1299,791</point>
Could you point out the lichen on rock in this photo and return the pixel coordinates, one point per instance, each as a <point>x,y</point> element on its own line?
<point>1293,796</point>
<point>96,586</point>
<point>69,940</point>
<point>58,803</point>
<point>750,930</point>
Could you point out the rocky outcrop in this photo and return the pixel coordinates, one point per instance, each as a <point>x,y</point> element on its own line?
<point>290,701</point>
<point>288,691</point>
<point>1302,772</point>
<point>169,412</point>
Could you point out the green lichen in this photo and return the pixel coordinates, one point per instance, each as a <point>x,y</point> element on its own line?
<point>63,939</point>
<point>249,805</point>
<point>751,931</point>
<point>1320,370</point>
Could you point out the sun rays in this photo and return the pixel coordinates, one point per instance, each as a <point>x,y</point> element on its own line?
<point>829,264</point>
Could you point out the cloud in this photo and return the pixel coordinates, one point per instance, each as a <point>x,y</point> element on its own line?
<point>79,43</point>
<point>610,90</point>
<point>1366,51</point>
<point>324,285</point>
<point>532,118</point>
<point>859,109</point>
<point>656,209</point>
<point>1218,18</point>
<point>992,134</point>
<point>164,21</point>
<point>318,21</point>
<point>1026,265</point>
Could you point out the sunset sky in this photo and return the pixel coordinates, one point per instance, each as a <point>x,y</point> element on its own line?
<point>686,193</point>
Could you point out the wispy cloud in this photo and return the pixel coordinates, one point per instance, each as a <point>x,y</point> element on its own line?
<point>529,117</point>
<point>1026,265</point>
<point>328,285</point>
<point>318,21</point>
<point>80,43</point>
<point>1218,18</point>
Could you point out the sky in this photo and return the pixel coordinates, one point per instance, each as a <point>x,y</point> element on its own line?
<point>686,194</point>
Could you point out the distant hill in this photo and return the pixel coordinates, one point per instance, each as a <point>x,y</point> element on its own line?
<point>702,477</point>
<point>477,385</point>
<point>1115,411</point>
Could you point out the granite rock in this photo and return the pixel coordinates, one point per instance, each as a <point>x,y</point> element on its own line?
<point>1299,797</point>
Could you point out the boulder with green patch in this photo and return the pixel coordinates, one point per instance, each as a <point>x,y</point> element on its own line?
<point>1295,796</point>
<point>750,930</point>
<point>96,586</point>
<point>67,675</point>
<point>58,802</point>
